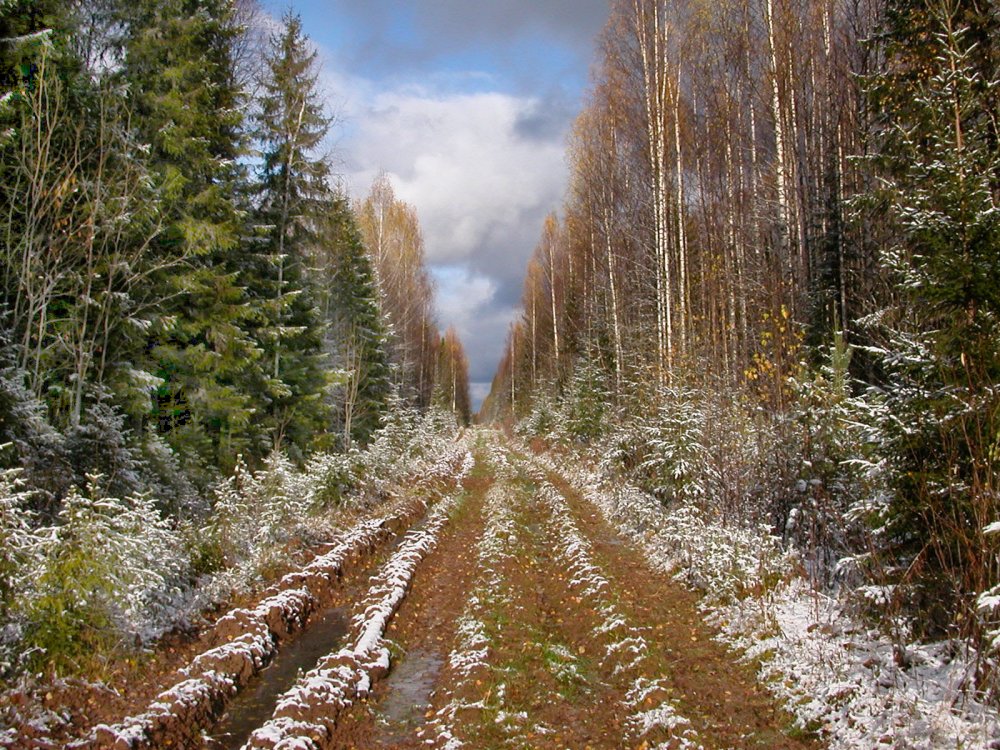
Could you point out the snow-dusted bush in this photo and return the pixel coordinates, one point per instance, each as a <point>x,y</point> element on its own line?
<point>988,609</point>
<point>405,436</point>
<point>728,561</point>
<point>800,473</point>
<point>687,446</point>
<point>104,570</point>
<point>725,557</point>
<point>105,574</point>
<point>30,443</point>
<point>255,512</point>
<point>332,478</point>
<point>101,446</point>
<point>164,478</point>
<point>19,547</point>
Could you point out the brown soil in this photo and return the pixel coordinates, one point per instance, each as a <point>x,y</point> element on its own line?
<point>546,683</point>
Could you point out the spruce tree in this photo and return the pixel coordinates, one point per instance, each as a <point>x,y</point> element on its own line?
<point>291,127</point>
<point>179,64</point>
<point>356,336</point>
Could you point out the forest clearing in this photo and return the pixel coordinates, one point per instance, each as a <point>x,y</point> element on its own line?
<point>505,599</point>
<point>524,373</point>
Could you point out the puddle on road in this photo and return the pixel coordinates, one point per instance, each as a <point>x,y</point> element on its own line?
<point>409,696</point>
<point>255,703</point>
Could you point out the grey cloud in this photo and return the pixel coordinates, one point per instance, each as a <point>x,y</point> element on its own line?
<point>573,20</point>
<point>548,119</point>
<point>478,391</point>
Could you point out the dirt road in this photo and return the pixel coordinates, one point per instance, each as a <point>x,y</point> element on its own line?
<point>508,615</point>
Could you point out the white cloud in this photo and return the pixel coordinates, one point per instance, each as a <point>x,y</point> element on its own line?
<point>482,169</point>
<point>460,159</point>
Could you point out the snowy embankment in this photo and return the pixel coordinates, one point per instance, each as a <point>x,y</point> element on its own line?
<point>648,705</point>
<point>306,715</point>
<point>837,675</point>
<point>247,641</point>
<point>471,654</point>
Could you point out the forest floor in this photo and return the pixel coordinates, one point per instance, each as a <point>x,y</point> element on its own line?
<point>512,615</point>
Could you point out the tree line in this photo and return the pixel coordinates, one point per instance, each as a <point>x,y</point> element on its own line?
<point>784,212</point>
<point>184,282</point>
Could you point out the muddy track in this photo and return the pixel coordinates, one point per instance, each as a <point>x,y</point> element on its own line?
<point>244,641</point>
<point>511,615</point>
<point>534,625</point>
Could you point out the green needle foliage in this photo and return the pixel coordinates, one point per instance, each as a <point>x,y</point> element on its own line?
<point>179,64</point>
<point>293,193</point>
<point>939,160</point>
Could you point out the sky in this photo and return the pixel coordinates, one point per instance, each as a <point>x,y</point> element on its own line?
<point>467,106</point>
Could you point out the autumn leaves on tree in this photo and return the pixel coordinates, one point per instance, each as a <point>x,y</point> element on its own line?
<point>709,173</point>
<point>788,208</point>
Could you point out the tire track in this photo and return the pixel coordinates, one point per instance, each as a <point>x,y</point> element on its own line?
<point>306,716</point>
<point>720,696</point>
<point>468,661</point>
<point>247,640</point>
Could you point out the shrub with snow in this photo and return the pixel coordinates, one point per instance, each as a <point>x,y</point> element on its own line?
<point>105,575</point>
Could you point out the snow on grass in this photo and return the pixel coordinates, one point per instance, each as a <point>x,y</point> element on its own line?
<point>306,715</point>
<point>845,679</point>
<point>494,549</point>
<point>836,675</point>
<point>448,462</point>
<point>628,651</point>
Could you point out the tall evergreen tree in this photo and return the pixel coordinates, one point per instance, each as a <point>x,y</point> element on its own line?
<point>179,64</point>
<point>291,127</point>
<point>938,155</point>
<point>356,336</point>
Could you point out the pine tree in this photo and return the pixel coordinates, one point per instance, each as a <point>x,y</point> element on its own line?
<point>291,126</point>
